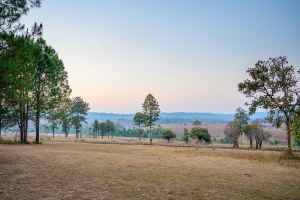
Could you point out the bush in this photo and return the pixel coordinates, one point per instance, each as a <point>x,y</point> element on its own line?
<point>274,142</point>
<point>168,134</point>
<point>200,134</point>
<point>225,140</point>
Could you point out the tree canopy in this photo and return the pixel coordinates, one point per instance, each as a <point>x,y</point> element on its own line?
<point>168,134</point>
<point>79,110</point>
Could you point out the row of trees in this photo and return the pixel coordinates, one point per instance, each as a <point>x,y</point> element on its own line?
<point>33,80</point>
<point>238,127</point>
<point>104,128</point>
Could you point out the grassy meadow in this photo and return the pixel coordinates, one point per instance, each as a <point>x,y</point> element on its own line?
<point>124,168</point>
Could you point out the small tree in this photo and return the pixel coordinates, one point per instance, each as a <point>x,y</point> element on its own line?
<point>79,110</point>
<point>186,135</point>
<point>96,129</point>
<point>138,120</point>
<point>151,112</point>
<point>197,123</point>
<point>168,134</point>
<point>201,134</point>
<point>232,130</point>
<point>102,127</point>
<point>249,134</point>
<point>273,87</point>
<point>242,118</point>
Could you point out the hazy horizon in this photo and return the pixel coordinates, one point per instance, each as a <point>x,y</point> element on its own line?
<point>189,54</point>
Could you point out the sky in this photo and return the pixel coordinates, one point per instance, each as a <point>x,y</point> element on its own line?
<point>190,55</point>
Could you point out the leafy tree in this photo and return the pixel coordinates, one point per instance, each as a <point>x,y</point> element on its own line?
<point>151,112</point>
<point>110,128</point>
<point>102,128</point>
<point>232,130</point>
<point>295,126</point>
<point>11,12</point>
<point>242,118</point>
<point>168,134</point>
<point>138,120</point>
<point>186,135</point>
<point>200,134</point>
<point>65,117</point>
<point>79,110</point>
<point>96,128</point>
<point>249,133</point>
<point>50,87</point>
<point>197,123</point>
<point>16,80</point>
<point>273,87</point>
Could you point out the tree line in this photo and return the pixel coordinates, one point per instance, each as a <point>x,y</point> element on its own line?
<point>33,80</point>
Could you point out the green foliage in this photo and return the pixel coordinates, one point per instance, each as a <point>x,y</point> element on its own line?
<point>273,87</point>
<point>295,126</point>
<point>225,140</point>
<point>78,112</point>
<point>214,139</point>
<point>138,120</point>
<point>150,111</point>
<point>96,129</point>
<point>201,134</point>
<point>11,12</point>
<point>168,134</point>
<point>110,128</point>
<point>274,142</point>
<point>186,135</point>
<point>241,117</point>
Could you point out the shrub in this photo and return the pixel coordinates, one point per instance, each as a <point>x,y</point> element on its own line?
<point>168,134</point>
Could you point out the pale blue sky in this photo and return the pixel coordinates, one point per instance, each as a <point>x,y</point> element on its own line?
<point>189,54</point>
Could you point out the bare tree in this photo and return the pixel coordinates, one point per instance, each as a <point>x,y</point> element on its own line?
<point>232,130</point>
<point>259,133</point>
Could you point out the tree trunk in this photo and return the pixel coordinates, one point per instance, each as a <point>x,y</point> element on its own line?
<point>53,131</point>
<point>256,144</point>
<point>21,127</point>
<point>288,137</point>
<point>260,143</point>
<point>37,122</point>
<point>150,136</point>
<point>168,140</point>
<point>241,138</point>
<point>77,133</point>
<point>37,129</point>
<point>251,145</point>
<point>0,127</point>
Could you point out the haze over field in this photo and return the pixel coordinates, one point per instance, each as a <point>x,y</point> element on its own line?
<point>189,54</point>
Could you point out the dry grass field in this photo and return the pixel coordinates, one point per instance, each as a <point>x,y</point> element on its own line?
<point>87,169</point>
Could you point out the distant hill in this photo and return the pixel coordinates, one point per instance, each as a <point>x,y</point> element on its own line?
<point>174,117</point>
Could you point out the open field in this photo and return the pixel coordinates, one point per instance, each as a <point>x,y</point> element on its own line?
<point>63,169</point>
